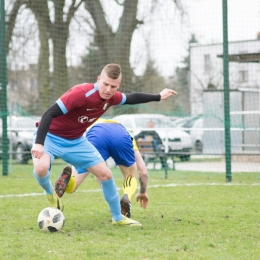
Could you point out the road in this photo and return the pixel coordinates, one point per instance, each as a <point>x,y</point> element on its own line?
<point>212,166</point>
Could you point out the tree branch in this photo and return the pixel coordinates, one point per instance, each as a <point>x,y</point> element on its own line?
<point>97,13</point>
<point>72,10</point>
<point>10,24</point>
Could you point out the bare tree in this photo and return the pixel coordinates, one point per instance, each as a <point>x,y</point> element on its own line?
<point>41,12</point>
<point>115,46</point>
<point>14,7</point>
<point>54,19</point>
<point>58,31</point>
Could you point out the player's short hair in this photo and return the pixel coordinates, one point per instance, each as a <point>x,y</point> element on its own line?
<point>112,70</point>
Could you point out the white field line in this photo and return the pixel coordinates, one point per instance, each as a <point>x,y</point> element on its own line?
<point>149,187</point>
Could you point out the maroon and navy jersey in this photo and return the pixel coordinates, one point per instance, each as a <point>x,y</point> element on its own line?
<point>82,106</point>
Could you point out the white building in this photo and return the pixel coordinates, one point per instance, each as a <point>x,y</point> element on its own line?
<point>206,69</point>
<point>207,94</point>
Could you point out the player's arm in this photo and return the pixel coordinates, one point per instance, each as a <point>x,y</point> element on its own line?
<point>142,196</point>
<point>142,172</point>
<point>138,98</point>
<point>45,122</point>
<point>141,168</point>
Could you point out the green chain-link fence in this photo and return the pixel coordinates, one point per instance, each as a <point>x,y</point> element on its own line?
<point>51,46</point>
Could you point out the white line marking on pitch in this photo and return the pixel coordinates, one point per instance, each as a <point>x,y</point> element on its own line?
<point>149,187</point>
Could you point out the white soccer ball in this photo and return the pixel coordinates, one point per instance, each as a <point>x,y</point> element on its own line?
<point>51,219</point>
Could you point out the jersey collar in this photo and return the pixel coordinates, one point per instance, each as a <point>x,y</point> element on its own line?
<point>96,86</point>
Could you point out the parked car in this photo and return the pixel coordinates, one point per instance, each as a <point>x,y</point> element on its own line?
<point>179,122</point>
<point>174,140</point>
<point>20,131</point>
<point>174,118</point>
<point>194,126</point>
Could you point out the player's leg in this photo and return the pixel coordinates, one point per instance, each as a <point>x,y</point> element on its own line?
<point>69,180</point>
<point>129,188</point>
<point>102,137</point>
<point>130,183</point>
<point>121,150</point>
<point>41,173</point>
<point>83,155</point>
<point>103,173</point>
<point>44,181</point>
<point>79,178</point>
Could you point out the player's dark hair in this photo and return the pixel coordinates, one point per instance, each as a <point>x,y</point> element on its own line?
<point>112,70</point>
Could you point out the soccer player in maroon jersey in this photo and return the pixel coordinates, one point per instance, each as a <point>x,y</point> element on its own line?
<point>60,134</point>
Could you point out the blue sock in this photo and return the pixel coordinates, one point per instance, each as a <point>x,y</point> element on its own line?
<point>111,196</point>
<point>44,182</point>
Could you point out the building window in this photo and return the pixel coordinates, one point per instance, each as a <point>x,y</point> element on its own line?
<point>206,63</point>
<point>243,76</point>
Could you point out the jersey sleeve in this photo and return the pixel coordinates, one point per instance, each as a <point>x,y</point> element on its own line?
<point>135,145</point>
<point>119,98</point>
<point>73,98</point>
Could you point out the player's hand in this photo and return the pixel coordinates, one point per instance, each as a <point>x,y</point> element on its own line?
<point>37,151</point>
<point>143,198</point>
<point>167,93</point>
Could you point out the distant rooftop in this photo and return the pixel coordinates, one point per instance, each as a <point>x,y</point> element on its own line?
<point>243,57</point>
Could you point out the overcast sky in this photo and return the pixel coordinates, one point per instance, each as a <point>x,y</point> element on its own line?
<point>206,19</point>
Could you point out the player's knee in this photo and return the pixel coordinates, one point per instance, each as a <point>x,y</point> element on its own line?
<point>41,170</point>
<point>105,175</point>
<point>101,171</point>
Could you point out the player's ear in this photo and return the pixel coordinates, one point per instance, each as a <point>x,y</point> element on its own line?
<point>119,84</point>
<point>98,78</point>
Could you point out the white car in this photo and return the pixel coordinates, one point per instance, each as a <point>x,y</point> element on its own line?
<point>20,131</point>
<point>174,140</point>
<point>194,126</point>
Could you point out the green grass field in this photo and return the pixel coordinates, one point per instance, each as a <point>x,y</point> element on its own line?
<point>190,216</point>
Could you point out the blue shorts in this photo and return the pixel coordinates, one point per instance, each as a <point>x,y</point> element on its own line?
<point>78,152</point>
<point>112,140</point>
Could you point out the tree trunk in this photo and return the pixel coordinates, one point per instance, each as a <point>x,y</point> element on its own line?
<point>41,12</point>
<point>122,44</point>
<point>10,24</point>
<point>115,47</point>
<point>59,35</point>
<point>60,72</point>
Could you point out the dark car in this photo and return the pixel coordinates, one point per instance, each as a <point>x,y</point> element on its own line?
<point>20,131</point>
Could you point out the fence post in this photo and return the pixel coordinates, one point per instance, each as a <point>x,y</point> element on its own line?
<point>3,80</point>
<point>226,91</point>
